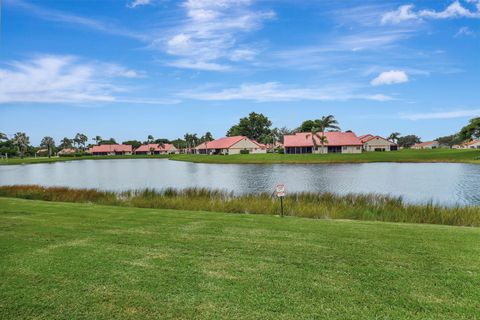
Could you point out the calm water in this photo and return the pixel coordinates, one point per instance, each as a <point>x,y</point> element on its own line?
<point>445,183</point>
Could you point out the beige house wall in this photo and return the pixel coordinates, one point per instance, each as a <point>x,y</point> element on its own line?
<point>377,143</point>
<point>475,145</point>
<point>351,149</point>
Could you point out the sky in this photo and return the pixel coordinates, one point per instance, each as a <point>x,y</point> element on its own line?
<point>130,68</point>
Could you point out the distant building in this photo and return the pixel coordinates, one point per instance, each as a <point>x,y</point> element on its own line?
<point>337,142</point>
<point>230,145</point>
<point>67,151</point>
<point>111,150</point>
<point>426,145</point>
<point>153,148</point>
<point>377,143</point>
<point>475,144</point>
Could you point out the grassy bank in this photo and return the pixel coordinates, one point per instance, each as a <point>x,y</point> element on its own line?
<point>14,161</point>
<point>309,205</point>
<point>438,155</point>
<point>83,261</point>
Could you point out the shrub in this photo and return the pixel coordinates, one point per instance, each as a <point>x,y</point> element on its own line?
<point>244,151</point>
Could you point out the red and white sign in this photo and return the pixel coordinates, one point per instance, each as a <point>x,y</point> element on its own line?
<point>280,190</point>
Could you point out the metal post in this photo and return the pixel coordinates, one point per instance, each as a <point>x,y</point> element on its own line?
<point>281,207</point>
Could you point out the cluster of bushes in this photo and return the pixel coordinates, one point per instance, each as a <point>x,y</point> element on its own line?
<point>309,205</point>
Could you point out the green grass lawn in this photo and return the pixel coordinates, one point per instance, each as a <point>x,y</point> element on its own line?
<point>14,161</point>
<point>438,155</point>
<point>71,261</point>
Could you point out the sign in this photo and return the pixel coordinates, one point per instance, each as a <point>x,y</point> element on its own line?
<point>280,190</point>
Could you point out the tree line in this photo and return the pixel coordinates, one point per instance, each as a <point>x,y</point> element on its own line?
<point>255,126</point>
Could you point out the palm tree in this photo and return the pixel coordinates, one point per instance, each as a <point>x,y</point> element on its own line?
<point>207,138</point>
<point>326,122</point>
<point>97,140</point>
<point>49,144</point>
<point>80,139</point>
<point>323,141</point>
<point>150,138</point>
<point>66,143</point>
<point>3,136</point>
<point>314,133</point>
<point>21,141</point>
<point>394,136</point>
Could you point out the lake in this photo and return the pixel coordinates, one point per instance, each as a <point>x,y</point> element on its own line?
<point>443,183</point>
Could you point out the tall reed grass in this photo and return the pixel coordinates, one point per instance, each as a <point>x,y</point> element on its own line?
<point>309,205</point>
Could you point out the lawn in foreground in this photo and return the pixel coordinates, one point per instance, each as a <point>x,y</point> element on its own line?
<point>68,261</point>
<point>436,155</point>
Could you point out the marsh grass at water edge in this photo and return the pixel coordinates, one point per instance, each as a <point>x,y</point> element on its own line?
<point>372,207</point>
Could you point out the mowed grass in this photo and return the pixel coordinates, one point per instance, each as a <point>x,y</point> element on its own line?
<point>28,160</point>
<point>84,261</point>
<point>436,155</point>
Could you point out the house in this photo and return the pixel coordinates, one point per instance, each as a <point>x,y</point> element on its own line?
<point>41,152</point>
<point>230,145</point>
<point>67,151</point>
<point>336,142</point>
<point>111,150</point>
<point>426,145</point>
<point>153,148</point>
<point>377,143</point>
<point>475,144</point>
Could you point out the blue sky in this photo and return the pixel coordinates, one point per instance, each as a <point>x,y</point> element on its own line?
<point>130,68</point>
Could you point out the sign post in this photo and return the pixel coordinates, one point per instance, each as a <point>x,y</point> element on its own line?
<point>280,190</point>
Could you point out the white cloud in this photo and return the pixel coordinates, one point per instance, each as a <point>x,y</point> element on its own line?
<point>403,13</point>
<point>454,10</point>
<point>65,79</point>
<point>136,3</point>
<point>442,115</point>
<point>390,77</point>
<point>64,17</point>
<point>273,91</point>
<point>465,32</point>
<point>209,36</point>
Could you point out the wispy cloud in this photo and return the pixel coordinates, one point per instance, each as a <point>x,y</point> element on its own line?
<point>274,91</point>
<point>208,38</point>
<point>390,77</point>
<point>455,10</point>
<point>136,3</point>
<point>442,115</point>
<point>68,18</point>
<point>66,79</point>
<point>465,32</point>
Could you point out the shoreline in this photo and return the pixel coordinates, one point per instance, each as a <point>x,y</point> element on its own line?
<point>404,156</point>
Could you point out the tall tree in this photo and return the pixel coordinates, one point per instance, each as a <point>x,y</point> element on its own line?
<point>449,140</point>
<point>256,126</point>
<point>66,143</point>
<point>394,136</point>
<point>80,139</point>
<point>97,140</point>
<point>21,141</point>
<point>49,144</point>
<point>150,138</point>
<point>3,136</point>
<point>408,141</point>
<point>471,131</point>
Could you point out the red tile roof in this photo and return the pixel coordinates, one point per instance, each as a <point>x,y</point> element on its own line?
<point>107,148</point>
<point>304,139</point>
<point>369,137</point>
<point>472,142</point>
<point>155,147</point>
<point>224,143</point>
<point>366,137</point>
<point>68,150</point>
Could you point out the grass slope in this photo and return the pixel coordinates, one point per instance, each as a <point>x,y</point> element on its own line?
<point>438,155</point>
<point>71,261</point>
<point>14,161</point>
